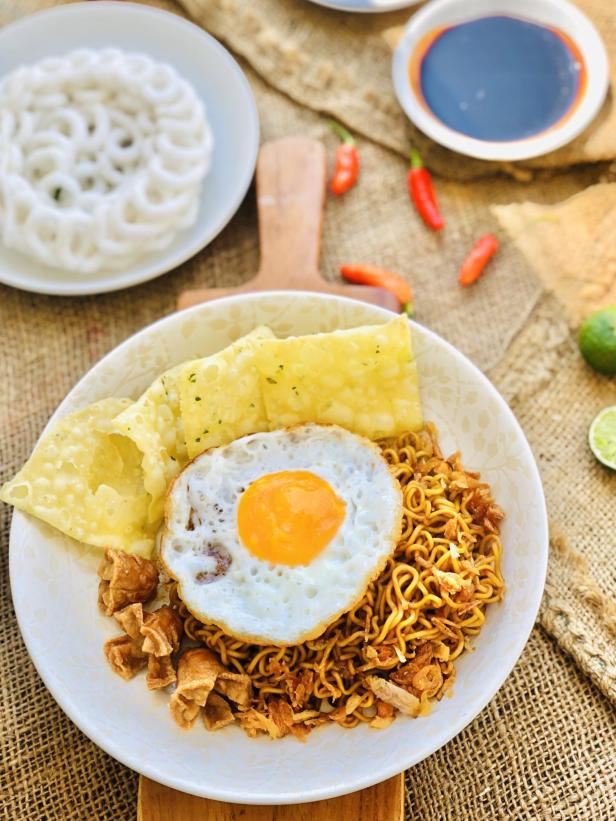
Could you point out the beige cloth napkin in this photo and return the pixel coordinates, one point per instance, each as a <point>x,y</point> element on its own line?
<point>340,64</point>
<point>570,245</point>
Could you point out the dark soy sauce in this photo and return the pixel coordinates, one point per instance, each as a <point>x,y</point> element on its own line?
<point>500,78</point>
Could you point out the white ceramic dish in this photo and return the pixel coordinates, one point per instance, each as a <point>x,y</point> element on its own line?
<point>558,13</point>
<point>218,80</point>
<point>54,580</point>
<point>366,6</point>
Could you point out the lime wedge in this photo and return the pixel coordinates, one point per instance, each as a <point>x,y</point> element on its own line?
<point>602,436</point>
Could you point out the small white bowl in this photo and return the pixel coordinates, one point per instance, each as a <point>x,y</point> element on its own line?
<point>54,582</point>
<point>557,13</point>
<point>366,6</point>
<point>217,79</point>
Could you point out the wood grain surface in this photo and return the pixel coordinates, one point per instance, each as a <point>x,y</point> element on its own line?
<point>291,177</point>
<point>383,802</point>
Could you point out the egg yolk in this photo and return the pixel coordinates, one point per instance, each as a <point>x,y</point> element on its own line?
<point>289,517</point>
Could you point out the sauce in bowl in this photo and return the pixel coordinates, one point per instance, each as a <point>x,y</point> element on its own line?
<point>498,78</point>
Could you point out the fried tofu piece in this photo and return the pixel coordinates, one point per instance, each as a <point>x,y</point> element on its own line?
<point>162,631</point>
<point>235,686</point>
<point>197,672</point>
<point>124,656</point>
<point>130,619</point>
<point>155,637</point>
<point>184,710</point>
<point>217,713</point>
<point>160,673</point>
<point>124,580</point>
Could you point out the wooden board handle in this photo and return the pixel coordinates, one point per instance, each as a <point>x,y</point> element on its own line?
<point>291,177</point>
<point>291,174</point>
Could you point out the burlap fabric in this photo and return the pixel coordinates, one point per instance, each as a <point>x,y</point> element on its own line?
<point>570,245</point>
<point>543,749</point>
<point>335,62</point>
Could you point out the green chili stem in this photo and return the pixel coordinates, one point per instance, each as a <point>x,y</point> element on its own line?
<point>416,161</point>
<point>341,131</point>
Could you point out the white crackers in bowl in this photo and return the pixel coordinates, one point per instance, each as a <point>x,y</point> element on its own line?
<point>104,153</point>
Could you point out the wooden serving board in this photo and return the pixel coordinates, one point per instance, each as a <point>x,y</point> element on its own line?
<point>383,802</point>
<point>291,177</point>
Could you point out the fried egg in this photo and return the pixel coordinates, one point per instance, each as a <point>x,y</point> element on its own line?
<point>274,535</point>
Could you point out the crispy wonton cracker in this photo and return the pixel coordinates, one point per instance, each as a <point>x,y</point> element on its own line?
<point>154,424</point>
<point>87,481</point>
<point>220,395</point>
<point>363,379</point>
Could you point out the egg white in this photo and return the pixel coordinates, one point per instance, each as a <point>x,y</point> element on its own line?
<point>257,601</point>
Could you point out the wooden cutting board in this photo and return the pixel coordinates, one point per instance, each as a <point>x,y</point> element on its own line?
<point>384,802</point>
<point>291,177</point>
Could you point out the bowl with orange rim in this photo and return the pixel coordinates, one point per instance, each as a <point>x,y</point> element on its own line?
<point>500,79</point>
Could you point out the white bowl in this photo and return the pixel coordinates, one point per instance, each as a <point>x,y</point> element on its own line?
<point>366,6</point>
<point>558,13</point>
<point>54,580</point>
<point>218,80</point>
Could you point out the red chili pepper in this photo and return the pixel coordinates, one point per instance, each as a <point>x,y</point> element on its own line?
<point>381,278</point>
<point>346,169</point>
<point>477,259</point>
<point>422,192</point>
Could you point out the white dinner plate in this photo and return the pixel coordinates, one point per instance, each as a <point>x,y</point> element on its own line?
<point>218,80</point>
<point>54,582</point>
<point>557,13</point>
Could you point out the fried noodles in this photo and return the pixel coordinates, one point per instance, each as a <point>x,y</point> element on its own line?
<point>412,622</point>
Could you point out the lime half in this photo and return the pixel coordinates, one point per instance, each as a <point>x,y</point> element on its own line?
<point>602,436</point>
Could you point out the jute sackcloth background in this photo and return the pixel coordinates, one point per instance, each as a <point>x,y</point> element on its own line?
<point>544,747</point>
<point>338,62</point>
